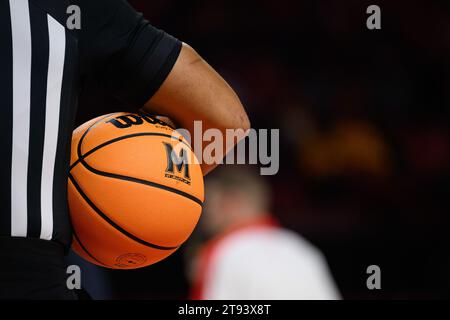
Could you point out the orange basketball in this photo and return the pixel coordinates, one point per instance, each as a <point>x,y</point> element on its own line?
<point>135,190</point>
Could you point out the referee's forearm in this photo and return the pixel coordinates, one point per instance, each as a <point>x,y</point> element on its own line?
<point>194,91</point>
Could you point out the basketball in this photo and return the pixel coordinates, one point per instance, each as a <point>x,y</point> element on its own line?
<point>135,190</point>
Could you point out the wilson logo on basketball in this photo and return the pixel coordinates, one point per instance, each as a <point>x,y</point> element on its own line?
<point>179,162</point>
<point>129,120</point>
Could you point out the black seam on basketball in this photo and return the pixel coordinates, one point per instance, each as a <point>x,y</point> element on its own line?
<point>85,250</point>
<point>88,129</point>
<point>144,182</point>
<point>109,142</point>
<point>113,224</point>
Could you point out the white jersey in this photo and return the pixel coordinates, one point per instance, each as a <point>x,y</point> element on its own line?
<point>264,263</point>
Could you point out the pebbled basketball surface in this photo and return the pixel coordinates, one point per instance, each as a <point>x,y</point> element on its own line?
<point>122,196</point>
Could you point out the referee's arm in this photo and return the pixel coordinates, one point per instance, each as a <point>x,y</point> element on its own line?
<point>194,91</point>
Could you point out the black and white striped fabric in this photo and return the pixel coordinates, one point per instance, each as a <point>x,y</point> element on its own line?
<point>36,62</point>
<point>41,63</point>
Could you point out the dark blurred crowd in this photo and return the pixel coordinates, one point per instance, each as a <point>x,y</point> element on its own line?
<point>364,122</point>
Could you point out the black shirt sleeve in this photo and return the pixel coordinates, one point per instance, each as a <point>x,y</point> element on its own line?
<point>128,57</point>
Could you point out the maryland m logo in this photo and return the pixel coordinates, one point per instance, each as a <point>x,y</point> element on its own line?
<point>180,162</point>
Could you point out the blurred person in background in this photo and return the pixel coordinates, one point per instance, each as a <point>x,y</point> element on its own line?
<point>250,255</point>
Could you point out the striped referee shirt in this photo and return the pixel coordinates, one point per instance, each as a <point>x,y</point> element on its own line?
<point>43,65</point>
